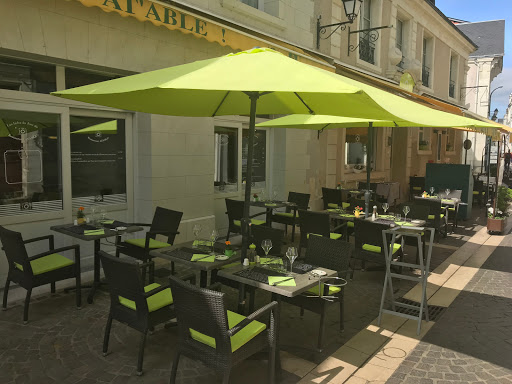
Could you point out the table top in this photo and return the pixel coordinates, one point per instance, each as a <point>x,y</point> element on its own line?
<point>451,202</point>
<point>381,219</point>
<point>108,232</point>
<point>273,204</point>
<point>302,281</point>
<point>172,253</point>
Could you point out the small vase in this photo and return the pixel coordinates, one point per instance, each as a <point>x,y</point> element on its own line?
<point>228,252</point>
<point>80,220</point>
<point>356,214</point>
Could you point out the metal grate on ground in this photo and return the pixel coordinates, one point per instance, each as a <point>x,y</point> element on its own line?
<point>434,311</point>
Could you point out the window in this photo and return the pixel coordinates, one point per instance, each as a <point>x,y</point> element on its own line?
<point>356,147</point>
<point>366,45</point>
<point>452,88</point>
<point>78,78</point>
<point>258,4</point>
<point>399,34</point>
<point>226,159</point>
<point>30,162</point>
<point>98,161</point>
<point>424,139</point>
<point>26,76</point>
<point>259,162</point>
<point>426,62</point>
<point>450,141</point>
<point>268,6</point>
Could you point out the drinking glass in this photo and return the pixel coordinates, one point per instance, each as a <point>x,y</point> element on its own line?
<point>432,191</point>
<point>94,216</point>
<point>398,217</point>
<point>263,195</point>
<point>266,245</point>
<point>447,193</point>
<point>407,209</point>
<point>291,254</point>
<point>213,238</point>
<point>196,230</point>
<point>385,207</point>
<point>274,196</point>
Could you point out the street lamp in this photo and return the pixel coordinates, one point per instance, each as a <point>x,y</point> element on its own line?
<point>351,8</point>
<point>489,105</point>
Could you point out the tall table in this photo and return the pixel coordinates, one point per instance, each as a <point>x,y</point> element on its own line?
<point>271,205</point>
<point>71,230</point>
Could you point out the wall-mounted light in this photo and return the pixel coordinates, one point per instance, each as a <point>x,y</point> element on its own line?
<point>351,8</point>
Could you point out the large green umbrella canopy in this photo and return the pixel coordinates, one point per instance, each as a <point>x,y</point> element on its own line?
<point>106,128</point>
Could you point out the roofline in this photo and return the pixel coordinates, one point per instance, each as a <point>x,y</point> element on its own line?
<point>453,25</point>
<point>483,21</point>
<point>497,55</point>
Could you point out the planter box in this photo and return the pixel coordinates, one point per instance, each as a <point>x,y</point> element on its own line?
<point>496,225</point>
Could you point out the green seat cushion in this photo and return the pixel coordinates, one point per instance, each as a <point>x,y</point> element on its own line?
<point>345,205</point>
<point>253,221</point>
<point>153,244</point>
<point>451,209</point>
<point>332,290</point>
<point>243,336</point>
<point>417,188</point>
<point>286,214</point>
<point>332,205</point>
<point>155,302</point>
<point>432,217</point>
<point>350,224</point>
<point>47,263</point>
<point>332,235</point>
<point>376,249</point>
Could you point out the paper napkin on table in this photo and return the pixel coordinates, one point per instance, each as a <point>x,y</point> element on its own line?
<point>208,259</point>
<point>202,242</point>
<point>94,232</point>
<point>276,279</point>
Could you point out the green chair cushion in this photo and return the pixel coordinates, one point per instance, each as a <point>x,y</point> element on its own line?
<point>155,302</point>
<point>153,244</point>
<point>253,221</point>
<point>47,263</point>
<point>452,209</point>
<point>332,205</point>
<point>417,188</point>
<point>332,290</point>
<point>376,249</point>
<point>286,214</point>
<point>243,336</point>
<point>333,236</point>
<point>345,205</point>
<point>350,224</point>
<point>432,217</point>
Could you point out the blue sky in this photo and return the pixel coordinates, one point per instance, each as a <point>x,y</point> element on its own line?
<point>477,10</point>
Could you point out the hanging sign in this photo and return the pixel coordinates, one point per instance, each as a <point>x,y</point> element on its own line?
<point>407,82</point>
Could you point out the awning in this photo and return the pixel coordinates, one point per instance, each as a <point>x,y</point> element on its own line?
<point>176,19</point>
<point>489,131</point>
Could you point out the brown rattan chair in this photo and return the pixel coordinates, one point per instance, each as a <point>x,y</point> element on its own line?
<point>219,338</point>
<point>318,223</point>
<point>165,223</point>
<point>45,268</point>
<point>139,307</point>
<point>437,217</point>
<point>416,186</point>
<point>235,212</point>
<point>290,216</point>
<point>332,198</point>
<point>478,191</point>
<point>330,254</point>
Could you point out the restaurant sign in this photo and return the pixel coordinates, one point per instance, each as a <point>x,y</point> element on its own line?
<point>407,82</point>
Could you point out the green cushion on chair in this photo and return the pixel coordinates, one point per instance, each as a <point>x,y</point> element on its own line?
<point>152,243</point>
<point>350,224</point>
<point>332,205</point>
<point>253,221</point>
<point>286,214</point>
<point>47,263</point>
<point>376,249</point>
<point>155,302</point>
<point>452,209</point>
<point>417,188</point>
<point>345,205</point>
<point>243,336</point>
<point>432,217</point>
<point>333,236</point>
<point>332,290</point>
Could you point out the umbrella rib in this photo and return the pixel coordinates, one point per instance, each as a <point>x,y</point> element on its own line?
<point>221,102</point>
<point>311,112</point>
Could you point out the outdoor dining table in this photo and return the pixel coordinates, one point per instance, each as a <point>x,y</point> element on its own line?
<point>184,252</point>
<point>80,232</point>
<point>269,206</point>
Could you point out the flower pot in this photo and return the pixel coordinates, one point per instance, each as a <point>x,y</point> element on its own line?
<point>81,220</point>
<point>496,225</point>
<point>228,252</point>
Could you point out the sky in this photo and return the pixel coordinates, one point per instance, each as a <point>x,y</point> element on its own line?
<point>478,10</point>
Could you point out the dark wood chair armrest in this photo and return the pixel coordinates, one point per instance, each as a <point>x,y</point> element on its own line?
<point>50,238</point>
<point>76,247</point>
<point>271,307</point>
<point>156,290</point>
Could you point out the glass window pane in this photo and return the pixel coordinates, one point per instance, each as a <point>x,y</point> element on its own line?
<point>356,147</point>
<point>399,34</point>
<point>98,161</point>
<point>424,139</point>
<point>252,3</point>
<point>226,159</point>
<point>259,164</point>
<point>450,140</point>
<point>78,78</point>
<point>26,76</point>
<point>30,162</point>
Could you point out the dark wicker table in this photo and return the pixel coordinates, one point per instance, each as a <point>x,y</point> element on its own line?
<point>271,205</point>
<point>70,230</point>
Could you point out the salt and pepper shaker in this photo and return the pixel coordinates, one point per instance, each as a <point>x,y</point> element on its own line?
<point>246,262</point>
<point>374,214</point>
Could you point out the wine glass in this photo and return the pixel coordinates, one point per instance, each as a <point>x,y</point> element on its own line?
<point>266,245</point>
<point>196,230</point>
<point>432,191</point>
<point>213,238</point>
<point>274,196</point>
<point>291,254</point>
<point>447,193</point>
<point>385,207</point>
<point>398,217</point>
<point>263,195</point>
<point>406,210</point>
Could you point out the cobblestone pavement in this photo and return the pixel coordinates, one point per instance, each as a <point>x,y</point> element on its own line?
<point>472,341</point>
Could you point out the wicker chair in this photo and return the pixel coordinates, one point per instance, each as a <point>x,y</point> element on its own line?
<point>225,338</point>
<point>330,254</point>
<point>453,212</point>
<point>369,244</point>
<point>416,186</point>
<point>235,212</point>
<point>165,223</point>
<point>287,218</point>
<point>131,303</point>
<point>479,191</point>
<point>318,223</point>
<point>437,217</point>
<point>332,198</point>
<point>45,268</point>
<point>260,233</point>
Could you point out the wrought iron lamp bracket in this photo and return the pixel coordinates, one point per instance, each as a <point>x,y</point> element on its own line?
<point>369,34</point>
<point>322,29</point>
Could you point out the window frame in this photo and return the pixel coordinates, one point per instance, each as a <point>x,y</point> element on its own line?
<point>261,5</point>
<point>453,75</point>
<point>429,149</point>
<point>448,133</point>
<point>427,58</point>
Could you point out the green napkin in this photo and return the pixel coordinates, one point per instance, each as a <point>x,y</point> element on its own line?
<point>107,221</point>
<point>346,215</point>
<point>275,279</point>
<point>447,200</point>
<point>269,260</point>
<point>208,259</point>
<point>386,216</point>
<point>94,232</point>
<point>202,242</point>
<point>404,224</point>
<point>271,205</point>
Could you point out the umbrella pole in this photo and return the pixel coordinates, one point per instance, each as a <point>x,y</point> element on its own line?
<point>368,169</point>
<point>245,222</point>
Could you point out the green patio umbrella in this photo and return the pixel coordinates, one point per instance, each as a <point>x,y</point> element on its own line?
<point>15,129</point>
<point>107,128</point>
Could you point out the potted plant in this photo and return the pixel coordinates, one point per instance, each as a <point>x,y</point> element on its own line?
<point>497,218</point>
<point>357,211</point>
<point>227,250</point>
<point>255,197</point>
<point>80,216</point>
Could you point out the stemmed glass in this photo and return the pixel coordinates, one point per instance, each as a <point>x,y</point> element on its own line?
<point>274,196</point>
<point>432,191</point>
<point>266,245</point>
<point>291,254</point>
<point>447,193</point>
<point>406,210</point>
<point>213,237</point>
<point>196,230</point>
<point>385,207</point>
<point>263,195</point>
